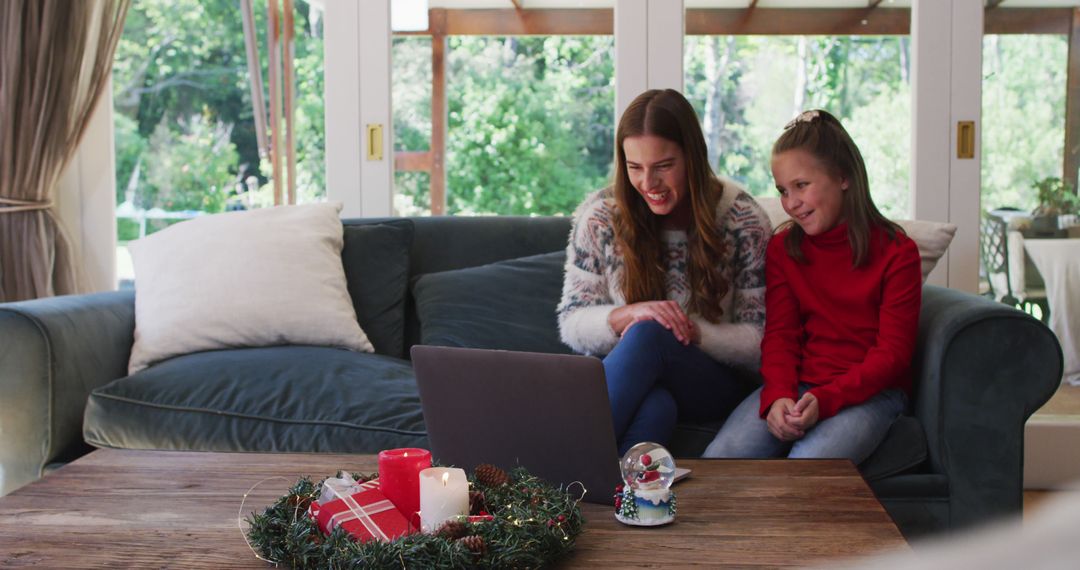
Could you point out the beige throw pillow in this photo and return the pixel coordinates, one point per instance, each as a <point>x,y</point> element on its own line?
<point>243,279</point>
<point>933,238</point>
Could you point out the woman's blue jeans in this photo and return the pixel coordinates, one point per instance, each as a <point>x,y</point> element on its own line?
<point>854,433</point>
<point>654,380</point>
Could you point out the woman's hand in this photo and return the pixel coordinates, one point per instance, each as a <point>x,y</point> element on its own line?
<point>778,422</point>
<point>805,413</point>
<point>668,313</point>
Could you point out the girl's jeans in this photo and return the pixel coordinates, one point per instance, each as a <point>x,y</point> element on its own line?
<point>854,433</point>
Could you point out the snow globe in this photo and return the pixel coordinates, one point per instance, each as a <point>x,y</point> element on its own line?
<point>645,497</point>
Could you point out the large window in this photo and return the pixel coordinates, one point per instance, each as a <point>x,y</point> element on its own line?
<point>184,122</point>
<point>1023,116</point>
<point>746,88</point>
<point>529,119</point>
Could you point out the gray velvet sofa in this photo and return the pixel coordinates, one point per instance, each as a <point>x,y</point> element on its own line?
<point>981,370</point>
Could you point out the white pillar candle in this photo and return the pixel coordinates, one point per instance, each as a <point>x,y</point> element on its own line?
<point>444,494</point>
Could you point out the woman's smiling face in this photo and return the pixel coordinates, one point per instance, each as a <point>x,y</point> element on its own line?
<point>657,169</point>
<point>810,194</point>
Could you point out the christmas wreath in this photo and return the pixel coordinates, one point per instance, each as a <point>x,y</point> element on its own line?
<point>531,524</point>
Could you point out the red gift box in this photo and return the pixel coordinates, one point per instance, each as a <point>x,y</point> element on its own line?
<point>366,515</point>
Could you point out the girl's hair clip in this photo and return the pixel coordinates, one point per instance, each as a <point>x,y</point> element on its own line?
<point>804,117</point>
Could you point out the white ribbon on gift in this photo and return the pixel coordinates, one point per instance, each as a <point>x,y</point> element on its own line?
<point>363,514</point>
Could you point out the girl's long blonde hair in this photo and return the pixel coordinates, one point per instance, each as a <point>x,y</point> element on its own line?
<point>668,115</point>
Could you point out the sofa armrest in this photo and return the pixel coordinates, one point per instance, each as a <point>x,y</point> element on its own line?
<point>53,352</point>
<point>981,369</point>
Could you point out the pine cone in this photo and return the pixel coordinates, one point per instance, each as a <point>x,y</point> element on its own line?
<point>475,544</point>
<point>477,502</point>
<point>490,475</point>
<point>452,530</point>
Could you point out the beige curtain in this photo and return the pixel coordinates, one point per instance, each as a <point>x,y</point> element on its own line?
<point>55,58</point>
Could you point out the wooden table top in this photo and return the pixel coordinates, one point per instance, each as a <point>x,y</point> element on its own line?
<point>154,509</point>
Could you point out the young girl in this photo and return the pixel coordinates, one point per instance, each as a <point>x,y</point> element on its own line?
<point>842,309</point>
<point>665,275</point>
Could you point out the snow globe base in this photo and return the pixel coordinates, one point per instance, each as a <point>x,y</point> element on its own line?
<point>648,509</point>
<point>645,498</point>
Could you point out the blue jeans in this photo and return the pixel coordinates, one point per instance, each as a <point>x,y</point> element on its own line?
<point>853,433</point>
<point>653,380</point>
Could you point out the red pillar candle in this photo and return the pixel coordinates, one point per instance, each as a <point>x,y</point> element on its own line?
<point>399,479</point>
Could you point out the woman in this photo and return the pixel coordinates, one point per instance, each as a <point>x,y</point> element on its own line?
<point>665,275</point>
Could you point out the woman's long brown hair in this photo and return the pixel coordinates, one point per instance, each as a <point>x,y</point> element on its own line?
<point>668,115</point>
<point>821,134</point>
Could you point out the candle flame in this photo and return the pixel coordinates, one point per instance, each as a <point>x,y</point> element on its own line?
<point>406,454</point>
<point>445,478</point>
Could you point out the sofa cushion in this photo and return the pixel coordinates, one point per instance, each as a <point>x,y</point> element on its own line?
<point>376,260</point>
<point>243,279</point>
<point>903,449</point>
<point>477,240</point>
<point>933,238</point>
<point>279,399</point>
<point>507,305</point>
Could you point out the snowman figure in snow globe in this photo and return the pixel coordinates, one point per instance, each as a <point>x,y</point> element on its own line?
<point>645,497</point>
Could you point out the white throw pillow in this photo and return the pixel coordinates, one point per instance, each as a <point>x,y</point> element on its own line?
<point>243,279</point>
<point>933,238</point>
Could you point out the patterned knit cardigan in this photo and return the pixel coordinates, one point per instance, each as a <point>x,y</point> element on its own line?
<point>594,269</point>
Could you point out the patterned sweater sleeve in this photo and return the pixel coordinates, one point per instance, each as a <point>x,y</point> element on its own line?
<point>586,302</point>
<point>739,342</point>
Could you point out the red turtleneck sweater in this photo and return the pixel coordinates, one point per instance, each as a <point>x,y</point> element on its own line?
<point>849,332</point>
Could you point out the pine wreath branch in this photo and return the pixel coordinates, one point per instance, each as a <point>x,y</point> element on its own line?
<point>535,524</point>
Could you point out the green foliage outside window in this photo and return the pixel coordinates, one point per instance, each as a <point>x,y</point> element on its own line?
<point>1023,117</point>
<point>746,88</point>
<point>531,119</point>
<point>185,133</point>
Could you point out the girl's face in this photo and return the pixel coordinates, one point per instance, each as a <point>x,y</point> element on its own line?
<point>811,195</point>
<point>657,170</point>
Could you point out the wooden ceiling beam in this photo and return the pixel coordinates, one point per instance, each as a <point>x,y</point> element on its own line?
<point>1028,21</point>
<point>738,21</point>
<point>797,21</point>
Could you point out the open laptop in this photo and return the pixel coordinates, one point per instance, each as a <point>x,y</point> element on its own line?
<point>548,413</point>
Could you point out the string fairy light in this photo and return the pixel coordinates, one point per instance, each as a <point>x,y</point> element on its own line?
<point>240,518</point>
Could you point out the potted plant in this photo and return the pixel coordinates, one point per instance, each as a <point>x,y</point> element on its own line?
<point>1056,198</point>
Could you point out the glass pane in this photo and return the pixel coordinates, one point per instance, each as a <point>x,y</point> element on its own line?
<point>412,193</point>
<point>1023,137</point>
<point>529,109</point>
<point>184,122</point>
<point>411,88</point>
<point>746,88</point>
<point>531,123</point>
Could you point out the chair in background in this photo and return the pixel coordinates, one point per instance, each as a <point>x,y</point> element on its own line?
<point>994,257</point>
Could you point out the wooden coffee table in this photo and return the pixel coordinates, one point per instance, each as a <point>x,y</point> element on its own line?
<point>150,509</point>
